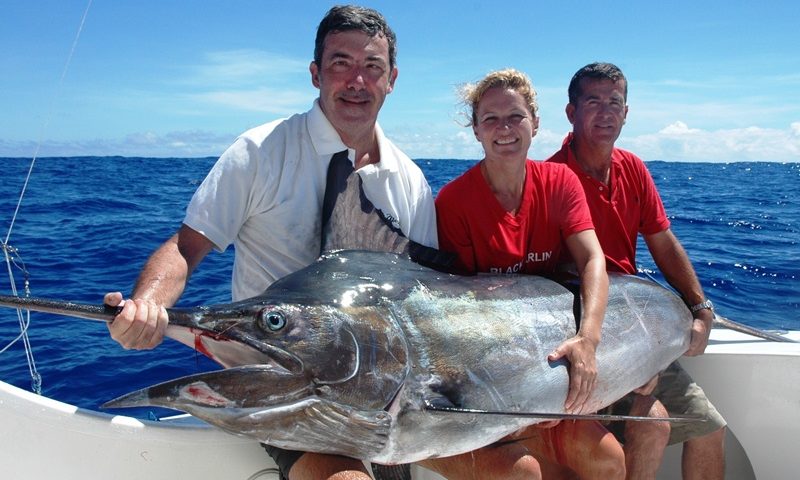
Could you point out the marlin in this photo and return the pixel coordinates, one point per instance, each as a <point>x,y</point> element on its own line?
<point>347,355</point>
<point>372,355</point>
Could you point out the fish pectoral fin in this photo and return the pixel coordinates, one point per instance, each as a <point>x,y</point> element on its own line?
<point>324,426</point>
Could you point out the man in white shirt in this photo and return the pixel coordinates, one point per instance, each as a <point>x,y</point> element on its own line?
<point>265,195</point>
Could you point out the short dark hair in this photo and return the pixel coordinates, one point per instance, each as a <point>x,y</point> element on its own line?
<point>595,71</point>
<point>343,18</point>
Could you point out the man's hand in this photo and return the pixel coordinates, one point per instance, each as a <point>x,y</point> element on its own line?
<point>701,329</point>
<point>580,352</point>
<point>140,325</point>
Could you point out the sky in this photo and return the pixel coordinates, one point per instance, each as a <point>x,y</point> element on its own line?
<point>715,81</point>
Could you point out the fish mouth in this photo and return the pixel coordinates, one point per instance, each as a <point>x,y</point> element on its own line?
<point>228,336</point>
<point>249,386</point>
<point>234,352</point>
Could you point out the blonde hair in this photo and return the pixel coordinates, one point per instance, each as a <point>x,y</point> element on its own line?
<point>509,78</point>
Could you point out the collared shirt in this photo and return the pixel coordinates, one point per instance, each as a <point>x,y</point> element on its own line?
<point>487,238</point>
<point>264,196</point>
<point>627,206</point>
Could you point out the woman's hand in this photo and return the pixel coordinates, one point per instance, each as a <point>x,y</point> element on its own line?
<point>580,353</point>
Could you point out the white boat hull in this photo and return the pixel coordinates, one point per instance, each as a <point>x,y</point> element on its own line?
<point>756,387</point>
<point>755,384</point>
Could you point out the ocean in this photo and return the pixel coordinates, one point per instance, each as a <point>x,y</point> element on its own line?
<point>87,224</point>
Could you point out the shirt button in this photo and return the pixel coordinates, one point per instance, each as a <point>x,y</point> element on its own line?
<point>601,189</point>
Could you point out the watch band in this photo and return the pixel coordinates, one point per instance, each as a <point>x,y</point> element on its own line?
<point>702,305</point>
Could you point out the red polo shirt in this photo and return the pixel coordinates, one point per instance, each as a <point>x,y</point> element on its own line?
<point>629,205</point>
<point>486,238</point>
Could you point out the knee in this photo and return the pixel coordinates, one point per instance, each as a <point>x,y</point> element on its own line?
<point>330,467</point>
<point>608,468</point>
<point>503,462</point>
<point>647,436</point>
<point>612,464</point>
<point>527,468</point>
<point>650,433</point>
<point>517,463</point>
<point>660,432</point>
<point>605,461</point>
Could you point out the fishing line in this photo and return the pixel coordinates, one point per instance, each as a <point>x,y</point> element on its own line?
<point>11,254</point>
<point>48,117</point>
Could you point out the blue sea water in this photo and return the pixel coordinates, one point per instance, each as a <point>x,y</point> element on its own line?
<point>87,224</point>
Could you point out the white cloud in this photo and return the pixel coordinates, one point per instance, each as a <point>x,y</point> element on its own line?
<point>245,67</point>
<point>247,80</point>
<point>677,129</point>
<point>431,144</point>
<point>679,142</point>
<point>675,142</point>
<point>192,143</point>
<point>461,144</point>
<point>545,144</point>
<point>182,144</point>
<point>278,102</point>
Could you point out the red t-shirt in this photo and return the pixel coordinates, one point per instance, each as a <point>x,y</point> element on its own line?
<point>628,206</point>
<point>486,238</point>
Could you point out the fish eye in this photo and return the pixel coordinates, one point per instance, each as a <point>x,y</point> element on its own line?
<point>271,320</point>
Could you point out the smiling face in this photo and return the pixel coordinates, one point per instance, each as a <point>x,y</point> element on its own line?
<point>599,112</point>
<point>504,124</point>
<point>353,78</point>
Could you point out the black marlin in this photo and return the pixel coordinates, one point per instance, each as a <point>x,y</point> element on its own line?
<point>368,354</point>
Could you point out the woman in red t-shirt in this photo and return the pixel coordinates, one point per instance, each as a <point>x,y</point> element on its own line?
<point>508,214</point>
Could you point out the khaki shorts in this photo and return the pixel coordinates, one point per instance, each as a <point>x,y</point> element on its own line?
<point>680,396</point>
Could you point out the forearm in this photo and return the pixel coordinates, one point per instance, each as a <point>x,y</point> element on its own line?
<point>591,264</point>
<point>673,262</point>
<point>581,350</point>
<point>166,272</point>
<point>142,322</point>
<point>594,297</point>
<point>163,278</point>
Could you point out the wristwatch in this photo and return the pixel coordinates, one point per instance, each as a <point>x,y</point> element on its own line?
<point>700,306</point>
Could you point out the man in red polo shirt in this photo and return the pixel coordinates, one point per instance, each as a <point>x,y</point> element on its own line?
<point>624,203</point>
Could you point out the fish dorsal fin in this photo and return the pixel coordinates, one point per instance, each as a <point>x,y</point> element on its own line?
<point>350,221</point>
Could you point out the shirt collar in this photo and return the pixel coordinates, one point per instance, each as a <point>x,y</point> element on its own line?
<point>388,158</point>
<point>572,162</point>
<point>326,140</point>
<point>324,137</point>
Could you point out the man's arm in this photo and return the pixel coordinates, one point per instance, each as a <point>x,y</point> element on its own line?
<point>143,320</point>
<point>672,260</point>
<point>581,349</point>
